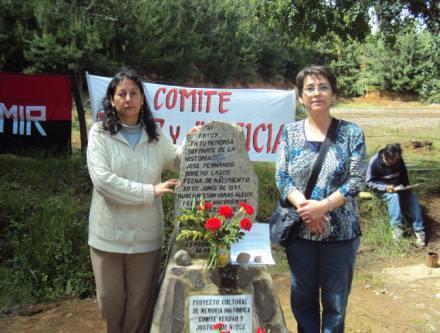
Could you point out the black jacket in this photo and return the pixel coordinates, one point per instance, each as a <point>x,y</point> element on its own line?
<point>380,175</point>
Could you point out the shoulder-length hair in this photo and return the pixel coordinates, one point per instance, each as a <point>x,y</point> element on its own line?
<point>315,70</point>
<point>111,120</point>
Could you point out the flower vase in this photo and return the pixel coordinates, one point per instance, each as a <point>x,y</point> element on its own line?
<point>222,256</point>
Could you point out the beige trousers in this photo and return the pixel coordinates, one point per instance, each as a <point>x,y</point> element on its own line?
<point>125,288</point>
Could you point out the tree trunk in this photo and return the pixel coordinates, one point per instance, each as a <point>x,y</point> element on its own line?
<point>80,111</point>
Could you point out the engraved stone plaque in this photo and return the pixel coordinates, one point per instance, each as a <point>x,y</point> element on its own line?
<point>216,165</point>
<point>235,311</point>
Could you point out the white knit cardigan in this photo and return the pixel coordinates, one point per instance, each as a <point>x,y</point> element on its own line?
<point>125,216</point>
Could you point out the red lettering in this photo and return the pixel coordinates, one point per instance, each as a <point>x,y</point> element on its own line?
<point>255,137</point>
<point>222,100</point>
<point>157,106</point>
<point>160,121</point>
<point>200,93</point>
<point>278,139</point>
<point>269,138</point>
<point>200,122</point>
<point>208,94</point>
<point>186,94</point>
<point>174,136</point>
<point>171,103</point>
<point>196,97</point>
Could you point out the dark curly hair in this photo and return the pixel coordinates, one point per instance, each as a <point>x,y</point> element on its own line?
<point>111,120</point>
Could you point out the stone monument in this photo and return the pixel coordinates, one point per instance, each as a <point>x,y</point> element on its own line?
<point>215,165</point>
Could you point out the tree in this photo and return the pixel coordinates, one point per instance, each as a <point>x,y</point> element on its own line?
<point>16,25</point>
<point>309,20</point>
<point>393,15</point>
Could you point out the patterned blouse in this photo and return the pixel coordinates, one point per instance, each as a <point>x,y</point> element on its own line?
<point>343,169</point>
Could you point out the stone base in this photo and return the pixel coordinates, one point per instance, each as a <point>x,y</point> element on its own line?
<point>171,314</point>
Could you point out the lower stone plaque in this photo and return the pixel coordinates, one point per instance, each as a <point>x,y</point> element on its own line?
<point>234,311</point>
<point>197,249</point>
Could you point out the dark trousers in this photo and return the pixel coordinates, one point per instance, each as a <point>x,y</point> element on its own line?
<point>326,268</point>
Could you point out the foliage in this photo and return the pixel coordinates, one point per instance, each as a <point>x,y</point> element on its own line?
<point>377,231</point>
<point>220,229</point>
<point>429,73</point>
<point>410,65</point>
<point>343,60</point>
<point>309,20</point>
<point>44,206</point>
<point>228,42</point>
<point>43,222</point>
<point>266,184</point>
<point>392,15</point>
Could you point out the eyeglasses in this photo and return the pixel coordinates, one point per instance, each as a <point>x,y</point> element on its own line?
<point>324,90</point>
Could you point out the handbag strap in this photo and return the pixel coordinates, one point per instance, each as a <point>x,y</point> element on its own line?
<point>330,138</point>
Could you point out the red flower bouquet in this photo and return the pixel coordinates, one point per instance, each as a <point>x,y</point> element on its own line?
<point>220,228</point>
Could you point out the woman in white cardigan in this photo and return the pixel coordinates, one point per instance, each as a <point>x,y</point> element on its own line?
<point>126,155</point>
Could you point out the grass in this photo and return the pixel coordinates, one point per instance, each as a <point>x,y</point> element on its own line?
<point>43,228</point>
<point>44,203</point>
<point>281,265</point>
<point>377,232</point>
<point>266,188</point>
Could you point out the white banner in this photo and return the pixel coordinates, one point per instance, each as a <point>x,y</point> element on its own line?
<point>261,112</point>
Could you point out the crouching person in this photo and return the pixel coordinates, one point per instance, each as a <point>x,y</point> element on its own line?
<point>387,176</point>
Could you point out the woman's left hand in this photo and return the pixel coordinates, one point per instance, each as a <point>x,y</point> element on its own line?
<point>165,187</point>
<point>313,213</point>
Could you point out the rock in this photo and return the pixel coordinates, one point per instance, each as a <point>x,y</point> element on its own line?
<point>195,277</point>
<point>182,258</point>
<point>173,320</point>
<point>216,164</point>
<point>243,258</point>
<point>265,300</point>
<point>258,259</point>
<point>177,271</point>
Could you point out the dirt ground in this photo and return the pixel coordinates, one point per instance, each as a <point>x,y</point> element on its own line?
<point>391,302</point>
<point>388,295</point>
<point>397,295</point>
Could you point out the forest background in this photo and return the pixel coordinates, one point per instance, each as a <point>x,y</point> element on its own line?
<point>370,45</point>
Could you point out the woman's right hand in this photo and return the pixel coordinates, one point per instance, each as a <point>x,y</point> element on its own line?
<point>317,225</point>
<point>314,215</point>
<point>165,187</point>
<point>195,129</point>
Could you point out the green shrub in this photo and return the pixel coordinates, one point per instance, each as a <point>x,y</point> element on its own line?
<point>376,232</point>
<point>44,212</point>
